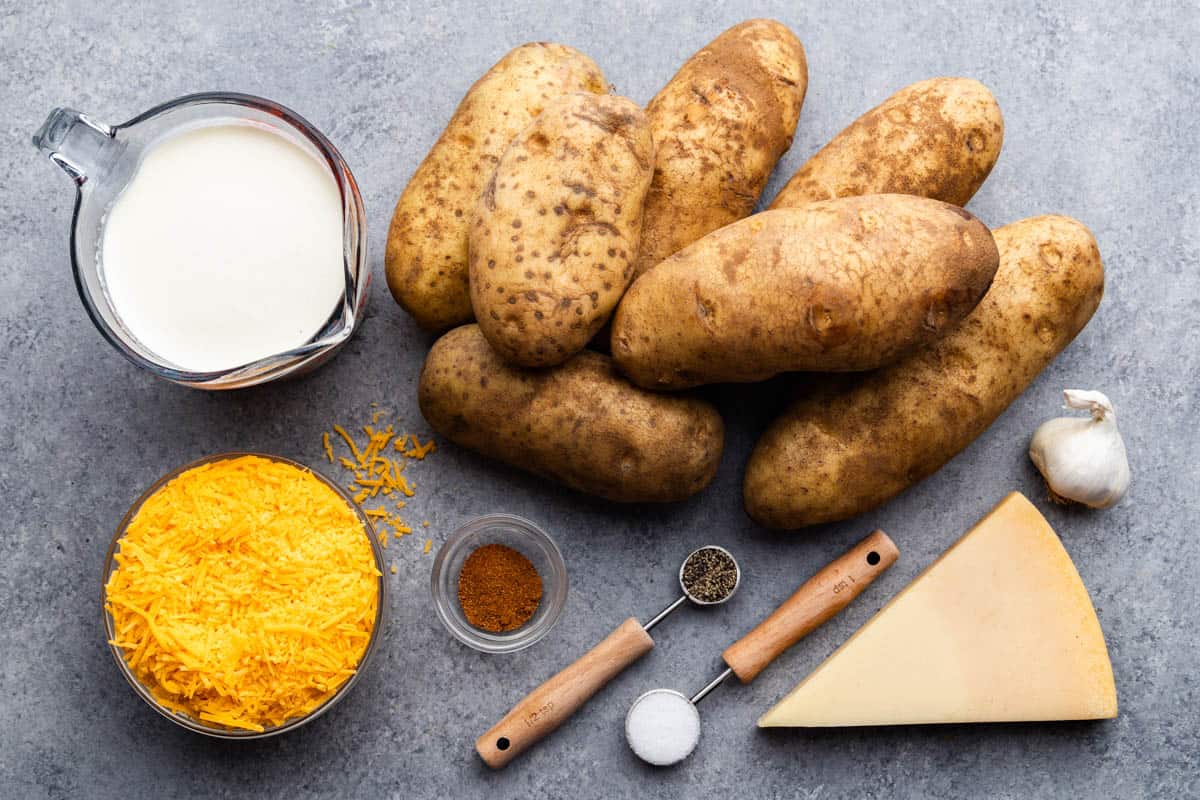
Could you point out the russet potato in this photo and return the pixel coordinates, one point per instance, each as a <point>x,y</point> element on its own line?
<point>938,138</point>
<point>426,257</point>
<point>841,285</point>
<point>580,424</point>
<point>720,125</point>
<point>853,444</point>
<point>556,230</point>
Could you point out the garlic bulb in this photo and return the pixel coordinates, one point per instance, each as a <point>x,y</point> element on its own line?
<point>1083,459</point>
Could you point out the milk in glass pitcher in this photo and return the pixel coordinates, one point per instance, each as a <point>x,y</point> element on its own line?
<point>218,241</point>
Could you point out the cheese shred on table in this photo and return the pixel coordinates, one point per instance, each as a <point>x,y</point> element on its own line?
<point>245,593</point>
<point>378,476</point>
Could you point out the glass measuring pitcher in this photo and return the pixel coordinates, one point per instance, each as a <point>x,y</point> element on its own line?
<point>102,160</point>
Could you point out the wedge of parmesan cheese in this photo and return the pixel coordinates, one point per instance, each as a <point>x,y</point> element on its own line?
<point>999,629</point>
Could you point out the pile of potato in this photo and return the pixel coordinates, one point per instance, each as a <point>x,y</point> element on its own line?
<point>554,214</point>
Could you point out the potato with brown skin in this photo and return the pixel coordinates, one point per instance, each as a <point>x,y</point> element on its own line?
<point>847,448</point>
<point>427,243</point>
<point>557,227</point>
<point>580,423</point>
<point>937,138</point>
<point>848,284</point>
<point>720,125</point>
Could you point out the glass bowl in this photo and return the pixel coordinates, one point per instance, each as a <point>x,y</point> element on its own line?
<point>524,537</point>
<point>218,731</point>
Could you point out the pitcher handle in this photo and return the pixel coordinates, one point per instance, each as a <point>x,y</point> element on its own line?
<point>80,145</point>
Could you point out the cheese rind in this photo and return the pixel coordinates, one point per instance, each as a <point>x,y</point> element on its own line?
<point>999,629</point>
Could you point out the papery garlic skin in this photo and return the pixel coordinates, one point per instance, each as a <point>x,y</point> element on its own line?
<point>1083,459</point>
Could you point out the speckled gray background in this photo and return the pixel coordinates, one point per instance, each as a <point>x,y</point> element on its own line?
<point>1100,100</point>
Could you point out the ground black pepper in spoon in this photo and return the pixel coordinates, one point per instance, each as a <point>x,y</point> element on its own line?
<point>709,575</point>
<point>702,563</point>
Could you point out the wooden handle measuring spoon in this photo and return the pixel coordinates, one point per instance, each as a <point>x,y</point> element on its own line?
<point>549,705</point>
<point>552,703</point>
<point>663,726</point>
<point>820,598</point>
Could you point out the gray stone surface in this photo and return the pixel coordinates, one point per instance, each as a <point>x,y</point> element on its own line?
<point>1100,100</point>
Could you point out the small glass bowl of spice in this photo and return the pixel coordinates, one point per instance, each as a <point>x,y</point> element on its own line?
<point>499,583</point>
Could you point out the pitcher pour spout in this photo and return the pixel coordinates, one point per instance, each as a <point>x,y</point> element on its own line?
<point>83,147</point>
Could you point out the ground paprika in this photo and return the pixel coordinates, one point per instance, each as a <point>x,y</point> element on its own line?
<point>498,588</point>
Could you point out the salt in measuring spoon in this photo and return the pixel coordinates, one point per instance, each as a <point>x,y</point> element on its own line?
<point>663,725</point>
<point>555,700</point>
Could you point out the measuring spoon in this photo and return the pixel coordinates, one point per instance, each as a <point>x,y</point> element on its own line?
<point>663,725</point>
<point>555,700</point>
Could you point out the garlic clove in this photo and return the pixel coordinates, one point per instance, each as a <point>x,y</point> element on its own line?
<point>1083,459</point>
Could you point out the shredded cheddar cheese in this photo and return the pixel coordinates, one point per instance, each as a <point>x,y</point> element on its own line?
<point>377,476</point>
<point>417,450</point>
<point>245,593</point>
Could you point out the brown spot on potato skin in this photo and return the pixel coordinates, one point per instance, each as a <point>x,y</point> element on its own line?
<point>426,258</point>
<point>732,260</point>
<point>937,138</point>
<point>581,424</point>
<point>594,164</point>
<point>488,196</point>
<point>720,124</point>
<point>851,445</point>
<point>840,295</point>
